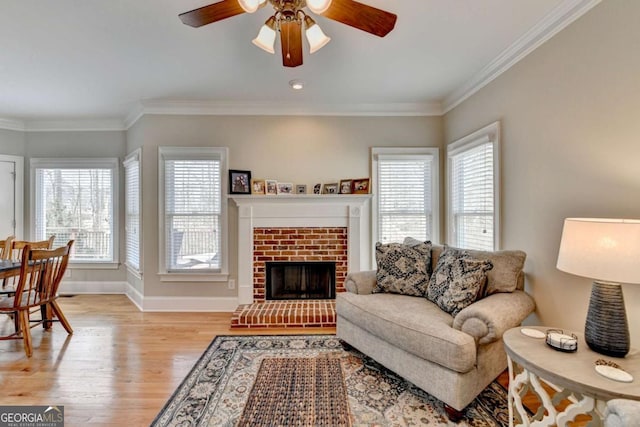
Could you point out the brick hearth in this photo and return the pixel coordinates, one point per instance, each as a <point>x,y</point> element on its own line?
<point>286,314</point>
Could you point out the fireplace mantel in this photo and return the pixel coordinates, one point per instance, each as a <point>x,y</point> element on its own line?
<point>300,210</point>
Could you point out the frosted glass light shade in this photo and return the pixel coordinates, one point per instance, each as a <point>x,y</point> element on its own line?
<point>601,249</point>
<point>316,38</point>
<point>318,6</point>
<point>266,39</point>
<point>249,6</point>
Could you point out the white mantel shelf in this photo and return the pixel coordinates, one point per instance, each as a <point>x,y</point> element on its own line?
<point>299,198</point>
<point>298,210</point>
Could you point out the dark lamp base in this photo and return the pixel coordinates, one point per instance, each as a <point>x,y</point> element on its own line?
<point>606,330</point>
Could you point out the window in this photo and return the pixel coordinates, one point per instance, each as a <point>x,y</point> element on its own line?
<point>473,190</point>
<point>405,182</point>
<point>77,199</point>
<point>192,212</point>
<point>133,227</point>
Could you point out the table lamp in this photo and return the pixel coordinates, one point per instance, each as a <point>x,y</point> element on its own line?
<point>608,251</point>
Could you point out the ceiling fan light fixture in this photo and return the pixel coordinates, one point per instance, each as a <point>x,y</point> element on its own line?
<point>315,36</point>
<point>250,6</point>
<point>266,38</point>
<point>318,6</point>
<point>296,84</point>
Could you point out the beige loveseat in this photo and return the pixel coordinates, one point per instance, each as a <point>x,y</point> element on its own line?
<point>451,358</point>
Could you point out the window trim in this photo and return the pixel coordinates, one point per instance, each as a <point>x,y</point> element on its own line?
<point>193,153</point>
<point>82,163</point>
<point>489,133</point>
<point>135,155</point>
<point>415,152</point>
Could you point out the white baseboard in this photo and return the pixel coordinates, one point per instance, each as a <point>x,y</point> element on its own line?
<point>69,287</point>
<point>135,296</point>
<point>209,304</point>
<point>195,304</point>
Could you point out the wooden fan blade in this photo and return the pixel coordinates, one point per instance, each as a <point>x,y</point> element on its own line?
<point>362,17</point>
<point>291,41</point>
<point>212,13</point>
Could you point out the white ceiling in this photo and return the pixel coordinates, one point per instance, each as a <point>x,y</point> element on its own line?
<point>70,60</point>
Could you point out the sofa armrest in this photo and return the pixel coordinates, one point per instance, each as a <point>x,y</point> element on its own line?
<point>361,282</point>
<point>622,413</point>
<point>487,319</point>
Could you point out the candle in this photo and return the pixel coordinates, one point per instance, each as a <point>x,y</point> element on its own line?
<point>562,341</point>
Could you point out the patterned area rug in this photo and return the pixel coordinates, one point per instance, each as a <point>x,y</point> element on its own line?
<point>227,379</point>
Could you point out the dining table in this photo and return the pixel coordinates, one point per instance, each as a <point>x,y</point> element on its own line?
<point>8,268</point>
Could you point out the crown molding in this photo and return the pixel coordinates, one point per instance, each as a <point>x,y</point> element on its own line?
<point>554,22</point>
<point>90,125</point>
<point>11,124</point>
<point>212,108</point>
<point>72,125</point>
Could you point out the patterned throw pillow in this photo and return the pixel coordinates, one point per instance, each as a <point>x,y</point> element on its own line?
<point>458,280</point>
<point>403,269</point>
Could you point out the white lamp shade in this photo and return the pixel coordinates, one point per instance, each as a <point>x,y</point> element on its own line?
<point>266,39</point>
<point>249,6</point>
<point>318,6</point>
<point>316,38</point>
<point>601,249</point>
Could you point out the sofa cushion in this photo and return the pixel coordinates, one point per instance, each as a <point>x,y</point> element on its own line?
<point>458,280</point>
<point>403,269</point>
<point>416,325</point>
<point>506,275</point>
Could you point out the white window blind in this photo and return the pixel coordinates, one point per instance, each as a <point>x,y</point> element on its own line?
<point>75,199</point>
<point>406,195</point>
<point>472,193</point>
<point>132,210</point>
<point>192,213</point>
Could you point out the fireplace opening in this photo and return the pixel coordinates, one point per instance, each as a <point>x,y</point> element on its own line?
<point>300,280</point>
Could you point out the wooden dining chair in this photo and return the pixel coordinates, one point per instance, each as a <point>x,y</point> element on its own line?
<point>5,247</point>
<point>40,275</point>
<point>17,246</point>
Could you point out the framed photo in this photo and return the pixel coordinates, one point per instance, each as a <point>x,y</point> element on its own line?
<point>345,186</point>
<point>317,188</point>
<point>360,186</point>
<point>239,182</point>
<point>285,188</point>
<point>258,186</point>
<point>301,189</point>
<point>271,187</point>
<point>331,188</point>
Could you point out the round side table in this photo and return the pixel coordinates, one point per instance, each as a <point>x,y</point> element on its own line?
<point>573,375</point>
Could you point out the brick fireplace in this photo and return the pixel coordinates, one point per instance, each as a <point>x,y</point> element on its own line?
<point>297,228</point>
<point>298,244</point>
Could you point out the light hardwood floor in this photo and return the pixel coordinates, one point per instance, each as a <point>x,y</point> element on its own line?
<point>120,365</point>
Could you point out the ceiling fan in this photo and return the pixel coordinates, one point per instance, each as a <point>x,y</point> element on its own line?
<point>289,18</point>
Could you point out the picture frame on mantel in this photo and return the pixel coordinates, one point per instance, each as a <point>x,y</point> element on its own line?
<point>345,186</point>
<point>271,188</point>
<point>239,182</point>
<point>285,188</point>
<point>330,188</point>
<point>258,186</point>
<point>360,186</point>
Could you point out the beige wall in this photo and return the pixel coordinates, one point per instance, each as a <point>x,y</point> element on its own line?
<point>301,150</point>
<point>12,143</point>
<point>570,116</point>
